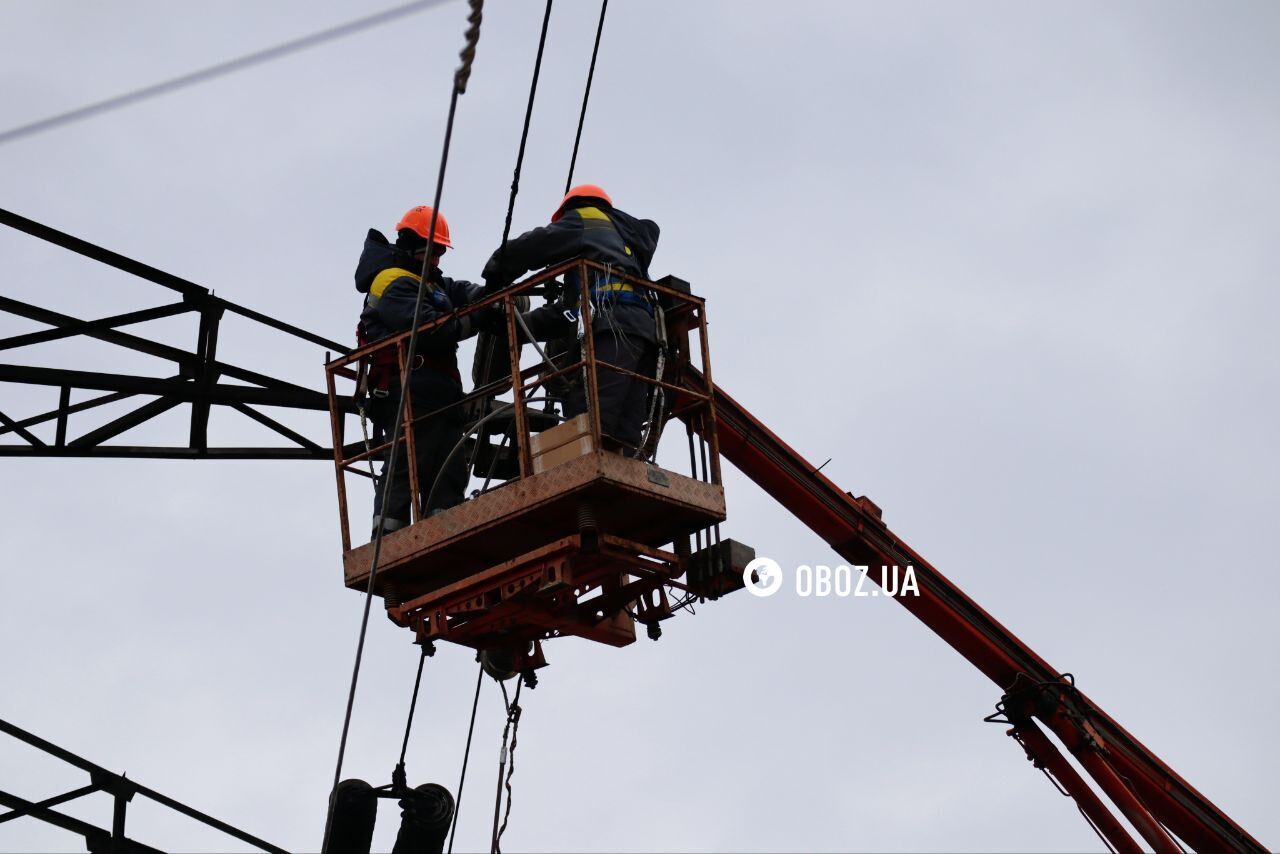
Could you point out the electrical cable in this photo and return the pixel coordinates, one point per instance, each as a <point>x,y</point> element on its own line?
<point>459,86</point>
<point>493,463</point>
<point>462,442</point>
<point>487,359</point>
<point>218,70</point>
<point>524,327</point>
<point>413,706</point>
<point>524,134</point>
<point>551,365</point>
<point>582,116</point>
<point>466,756</point>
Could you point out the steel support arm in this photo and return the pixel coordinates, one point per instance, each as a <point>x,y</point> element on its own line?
<point>1042,752</point>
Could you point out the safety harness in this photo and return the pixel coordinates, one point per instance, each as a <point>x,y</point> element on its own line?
<point>620,293</point>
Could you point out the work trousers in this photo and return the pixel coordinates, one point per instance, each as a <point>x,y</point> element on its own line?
<point>442,483</point>
<point>623,399</point>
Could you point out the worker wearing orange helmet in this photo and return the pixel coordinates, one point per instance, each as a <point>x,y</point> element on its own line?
<point>587,225</point>
<point>390,277</point>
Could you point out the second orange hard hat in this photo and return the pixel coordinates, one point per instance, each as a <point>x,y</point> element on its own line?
<point>582,191</point>
<point>418,220</point>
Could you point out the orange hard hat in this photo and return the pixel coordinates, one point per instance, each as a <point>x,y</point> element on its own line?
<point>582,191</point>
<point>418,220</point>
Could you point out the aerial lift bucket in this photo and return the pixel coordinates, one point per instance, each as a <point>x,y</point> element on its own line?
<point>572,539</point>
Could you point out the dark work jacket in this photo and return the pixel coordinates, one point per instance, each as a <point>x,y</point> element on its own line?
<point>389,279</point>
<point>591,230</point>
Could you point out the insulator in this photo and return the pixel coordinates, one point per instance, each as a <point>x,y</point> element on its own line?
<point>355,809</point>
<point>426,812</point>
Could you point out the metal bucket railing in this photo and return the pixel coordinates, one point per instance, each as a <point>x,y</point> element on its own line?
<point>690,393</point>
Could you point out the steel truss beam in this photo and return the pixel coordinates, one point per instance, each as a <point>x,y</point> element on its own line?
<point>122,791</point>
<point>196,385</point>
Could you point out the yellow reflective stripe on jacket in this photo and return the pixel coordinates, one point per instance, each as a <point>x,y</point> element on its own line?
<point>614,286</point>
<point>593,213</point>
<point>596,218</point>
<point>384,279</point>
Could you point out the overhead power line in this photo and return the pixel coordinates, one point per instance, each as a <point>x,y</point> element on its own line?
<point>582,117</point>
<point>219,70</point>
<point>460,78</point>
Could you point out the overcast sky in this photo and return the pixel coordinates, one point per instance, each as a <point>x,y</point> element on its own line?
<point>1011,266</point>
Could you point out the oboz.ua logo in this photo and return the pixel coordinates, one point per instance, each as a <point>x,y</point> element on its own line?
<point>764,577</point>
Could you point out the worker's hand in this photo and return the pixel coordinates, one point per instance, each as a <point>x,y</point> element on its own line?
<point>491,319</point>
<point>490,272</point>
<point>492,284</point>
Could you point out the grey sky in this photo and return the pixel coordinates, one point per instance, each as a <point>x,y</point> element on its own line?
<point>1012,266</point>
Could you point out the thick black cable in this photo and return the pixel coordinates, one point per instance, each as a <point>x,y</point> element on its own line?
<point>218,70</point>
<point>459,85</point>
<point>413,706</point>
<point>389,468</point>
<point>582,116</point>
<point>506,701</point>
<point>466,755</point>
<point>488,356</point>
<point>524,133</point>
<point>462,442</point>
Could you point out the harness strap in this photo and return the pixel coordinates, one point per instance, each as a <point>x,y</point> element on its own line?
<point>622,293</point>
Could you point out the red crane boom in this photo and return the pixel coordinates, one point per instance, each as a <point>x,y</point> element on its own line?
<point>1147,792</point>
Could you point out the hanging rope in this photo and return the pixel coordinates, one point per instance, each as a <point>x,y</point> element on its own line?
<point>513,722</point>
<point>459,86</point>
<point>511,769</point>
<point>582,116</point>
<point>466,755</point>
